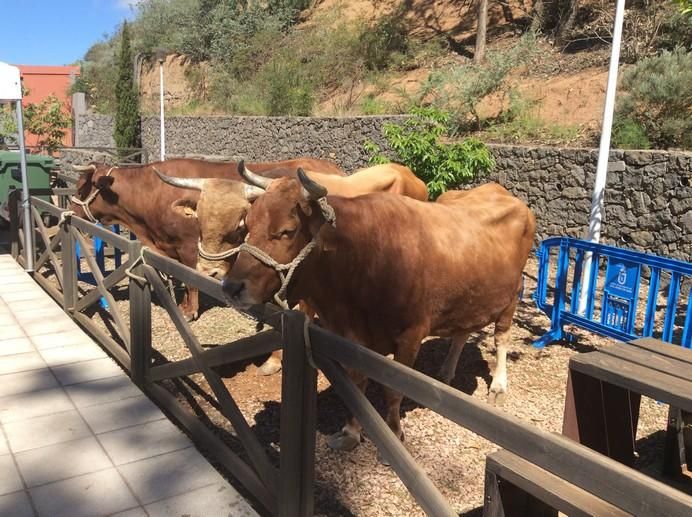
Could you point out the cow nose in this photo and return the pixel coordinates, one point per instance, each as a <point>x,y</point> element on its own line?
<point>233,288</point>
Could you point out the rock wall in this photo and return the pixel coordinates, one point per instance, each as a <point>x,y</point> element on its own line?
<point>648,200</point>
<point>94,130</point>
<point>648,196</point>
<point>268,138</point>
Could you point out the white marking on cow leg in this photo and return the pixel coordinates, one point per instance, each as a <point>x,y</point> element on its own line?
<point>498,388</point>
<point>449,367</point>
<point>271,365</point>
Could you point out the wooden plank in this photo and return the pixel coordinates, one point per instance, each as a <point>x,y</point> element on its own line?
<point>113,278</point>
<point>69,269</point>
<point>229,408</point>
<point>121,326</point>
<point>666,349</point>
<point>619,485</point>
<point>297,428</point>
<point>140,322</point>
<point>106,235</point>
<point>640,379</point>
<point>556,492</point>
<point>244,348</point>
<point>13,207</point>
<point>621,412</point>
<point>206,440</point>
<point>50,246</point>
<point>389,446</point>
<point>191,277</point>
<point>45,285</point>
<point>661,363</point>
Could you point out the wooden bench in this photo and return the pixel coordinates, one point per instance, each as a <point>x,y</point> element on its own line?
<point>515,487</point>
<point>604,389</point>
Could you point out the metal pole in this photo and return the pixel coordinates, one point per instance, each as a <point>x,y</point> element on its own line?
<point>28,230</point>
<point>163,130</point>
<point>596,215</point>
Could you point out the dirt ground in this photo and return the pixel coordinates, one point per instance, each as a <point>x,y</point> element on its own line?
<point>354,483</point>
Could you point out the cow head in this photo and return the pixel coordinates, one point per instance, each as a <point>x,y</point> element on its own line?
<point>280,223</point>
<point>94,185</point>
<point>220,209</point>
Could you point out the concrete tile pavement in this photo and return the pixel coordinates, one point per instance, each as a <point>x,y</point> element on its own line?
<point>77,438</point>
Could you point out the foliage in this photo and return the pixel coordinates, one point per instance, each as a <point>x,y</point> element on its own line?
<point>628,134</point>
<point>685,6</point>
<point>657,96</point>
<point>126,131</point>
<point>8,125</point>
<point>386,40</point>
<point>460,89</point>
<point>417,144</point>
<point>49,121</point>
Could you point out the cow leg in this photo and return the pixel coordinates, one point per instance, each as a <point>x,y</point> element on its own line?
<point>498,388</point>
<point>449,367</point>
<point>189,305</point>
<point>273,364</point>
<point>349,437</point>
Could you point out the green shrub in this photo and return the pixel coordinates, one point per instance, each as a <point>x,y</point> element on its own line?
<point>460,89</point>
<point>126,130</point>
<point>386,41</point>
<point>417,144</point>
<point>8,125</point>
<point>49,121</point>
<point>658,98</point>
<point>628,134</point>
<point>288,92</point>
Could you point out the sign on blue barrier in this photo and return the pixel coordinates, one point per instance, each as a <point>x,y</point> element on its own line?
<point>620,295</point>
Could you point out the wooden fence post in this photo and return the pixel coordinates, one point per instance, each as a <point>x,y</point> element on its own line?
<point>140,320</point>
<point>69,268</point>
<point>298,421</point>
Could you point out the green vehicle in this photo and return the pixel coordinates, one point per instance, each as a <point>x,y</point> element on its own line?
<point>38,169</point>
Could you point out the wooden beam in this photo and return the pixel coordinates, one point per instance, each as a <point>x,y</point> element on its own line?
<point>624,487</point>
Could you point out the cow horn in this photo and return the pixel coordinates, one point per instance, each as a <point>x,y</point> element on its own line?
<point>251,177</point>
<point>192,183</point>
<point>311,189</point>
<point>84,168</point>
<point>250,192</point>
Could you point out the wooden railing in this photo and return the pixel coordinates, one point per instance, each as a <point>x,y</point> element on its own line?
<point>288,490</point>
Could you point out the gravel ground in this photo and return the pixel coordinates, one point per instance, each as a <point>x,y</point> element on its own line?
<point>354,483</point>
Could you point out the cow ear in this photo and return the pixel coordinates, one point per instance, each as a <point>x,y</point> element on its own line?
<point>104,182</point>
<point>326,238</point>
<point>187,206</point>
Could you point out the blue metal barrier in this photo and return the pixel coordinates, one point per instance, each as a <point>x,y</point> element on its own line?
<point>99,255</point>
<point>613,292</point>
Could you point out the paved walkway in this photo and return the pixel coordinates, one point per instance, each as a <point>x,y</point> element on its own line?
<point>77,438</point>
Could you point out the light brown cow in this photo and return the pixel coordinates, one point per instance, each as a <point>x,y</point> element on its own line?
<point>392,270</point>
<point>221,207</point>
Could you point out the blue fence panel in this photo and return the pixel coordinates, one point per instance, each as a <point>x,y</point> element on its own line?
<point>619,296</point>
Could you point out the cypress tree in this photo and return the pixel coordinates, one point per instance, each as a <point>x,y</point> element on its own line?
<point>126,133</point>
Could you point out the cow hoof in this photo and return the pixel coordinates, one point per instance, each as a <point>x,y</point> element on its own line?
<point>343,441</point>
<point>190,316</point>
<point>497,398</point>
<point>269,367</point>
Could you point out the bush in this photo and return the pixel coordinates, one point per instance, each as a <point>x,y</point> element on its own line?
<point>386,40</point>
<point>49,121</point>
<point>460,89</point>
<point>658,98</point>
<point>628,134</point>
<point>126,130</point>
<point>417,144</point>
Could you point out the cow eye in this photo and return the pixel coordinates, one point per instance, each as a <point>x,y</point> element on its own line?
<point>288,232</point>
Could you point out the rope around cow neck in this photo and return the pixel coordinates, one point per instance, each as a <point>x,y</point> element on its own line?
<point>85,204</point>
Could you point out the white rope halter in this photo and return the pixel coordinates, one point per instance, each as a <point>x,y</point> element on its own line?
<point>85,204</point>
<point>285,271</point>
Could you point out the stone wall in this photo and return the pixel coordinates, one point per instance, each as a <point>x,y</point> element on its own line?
<point>648,194</point>
<point>648,197</point>
<point>268,138</point>
<point>94,130</point>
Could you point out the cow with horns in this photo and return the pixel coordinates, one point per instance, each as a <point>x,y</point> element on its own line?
<point>387,271</point>
<point>221,207</point>
<point>135,197</point>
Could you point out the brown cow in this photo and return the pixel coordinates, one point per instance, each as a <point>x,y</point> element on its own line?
<point>392,270</point>
<point>222,204</point>
<point>135,197</point>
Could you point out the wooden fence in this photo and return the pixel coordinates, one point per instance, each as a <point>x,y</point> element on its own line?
<point>288,490</point>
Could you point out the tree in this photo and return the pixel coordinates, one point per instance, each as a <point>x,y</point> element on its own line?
<point>126,133</point>
<point>49,121</point>
<point>482,6</point>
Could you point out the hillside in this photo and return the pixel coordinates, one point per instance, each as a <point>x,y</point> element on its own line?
<point>383,56</point>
